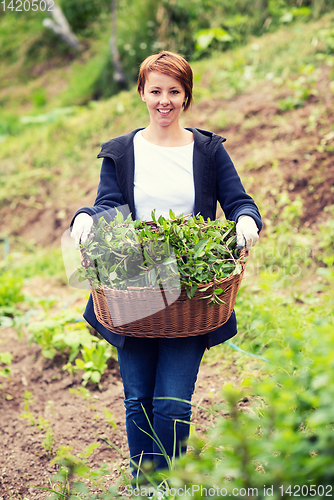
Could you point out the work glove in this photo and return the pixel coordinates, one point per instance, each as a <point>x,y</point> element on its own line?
<point>81,228</point>
<point>247,232</point>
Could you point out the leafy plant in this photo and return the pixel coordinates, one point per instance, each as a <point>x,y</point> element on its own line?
<point>82,392</point>
<point>284,435</point>
<point>10,294</point>
<point>28,398</point>
<point>94,362</point>
<point>190,251</point>
<point>43,424</point>
<point>109,418</point>
<point>61,334</point>
<point>6,358</point>
<point>73,471</point>
<point>48,440</point>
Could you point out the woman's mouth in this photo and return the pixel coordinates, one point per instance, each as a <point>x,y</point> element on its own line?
<point>164,111</point>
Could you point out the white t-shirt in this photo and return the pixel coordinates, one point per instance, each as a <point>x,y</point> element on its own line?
<point>163,179</point>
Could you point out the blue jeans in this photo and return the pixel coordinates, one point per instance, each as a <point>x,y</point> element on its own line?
<point>153,368</point>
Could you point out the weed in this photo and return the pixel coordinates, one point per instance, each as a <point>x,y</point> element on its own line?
<point>10,290</point>
<point>109,418</point>
<point>94,362</point>
<point>6,358</point>
<point>81,392</point>
<point>43,424</point>
<point>89,450</point>
<point>28,398</point>
<point>61,334</point>
<point>48,441</point>
<point>303,88</point>
<point>68,482</point>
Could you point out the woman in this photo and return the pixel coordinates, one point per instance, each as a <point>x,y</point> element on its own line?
<point>162,167</point>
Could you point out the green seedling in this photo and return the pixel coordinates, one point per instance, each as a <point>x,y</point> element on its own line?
<point>109,418</point>
<point>71,480</point>
<point>6,358</point>
<point>82,392</point>
<point>47,302</point>
<point>48,442</point>
<point>43,424</point>
<point>28,398</point>
<point>89,450</point>
<point>94,362</point>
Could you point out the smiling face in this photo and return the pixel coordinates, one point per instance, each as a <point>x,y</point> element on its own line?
<point>164,96</point>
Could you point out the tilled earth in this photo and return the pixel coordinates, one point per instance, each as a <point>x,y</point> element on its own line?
<point>75,418</point>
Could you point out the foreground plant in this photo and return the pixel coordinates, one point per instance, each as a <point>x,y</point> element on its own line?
<point>94,362</point>
<point>74,477</point>
<point>281,444</point>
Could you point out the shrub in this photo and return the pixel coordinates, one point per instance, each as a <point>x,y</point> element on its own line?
<point>10,289</point>
<point>285,437</point>
<point>81,13</point>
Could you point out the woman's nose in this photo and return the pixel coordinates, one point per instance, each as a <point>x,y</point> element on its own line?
<point>164,100</point>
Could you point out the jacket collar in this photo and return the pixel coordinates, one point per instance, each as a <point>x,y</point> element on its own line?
<point>117,147</point>
<point>205,140</point>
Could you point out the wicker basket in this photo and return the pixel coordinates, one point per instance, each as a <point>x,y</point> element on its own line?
<point>182,318</point>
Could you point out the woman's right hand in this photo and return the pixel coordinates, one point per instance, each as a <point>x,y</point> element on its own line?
<point>81,228</point>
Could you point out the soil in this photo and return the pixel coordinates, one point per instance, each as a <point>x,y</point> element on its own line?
<point>272,155</point>
<point>74,419</point>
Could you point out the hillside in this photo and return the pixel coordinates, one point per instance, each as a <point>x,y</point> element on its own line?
<point>272,100</point>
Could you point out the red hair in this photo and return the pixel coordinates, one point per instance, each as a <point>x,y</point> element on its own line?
<point>170,64</point>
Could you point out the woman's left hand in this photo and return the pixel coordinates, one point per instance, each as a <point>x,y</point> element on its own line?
<point>247,232</point>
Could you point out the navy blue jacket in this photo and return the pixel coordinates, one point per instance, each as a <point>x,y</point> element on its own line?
<point>215,178</point>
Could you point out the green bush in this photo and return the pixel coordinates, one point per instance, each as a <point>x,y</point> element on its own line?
<point>81,13</point>
<point>10,289</point>
<point>61,334</point>
<point>285,436</point>
<point>6,359</point>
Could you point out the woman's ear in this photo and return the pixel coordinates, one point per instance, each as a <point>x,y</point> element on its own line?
<point>142,95</point>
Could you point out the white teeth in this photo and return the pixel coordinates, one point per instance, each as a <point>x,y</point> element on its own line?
<point>164,112</point>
